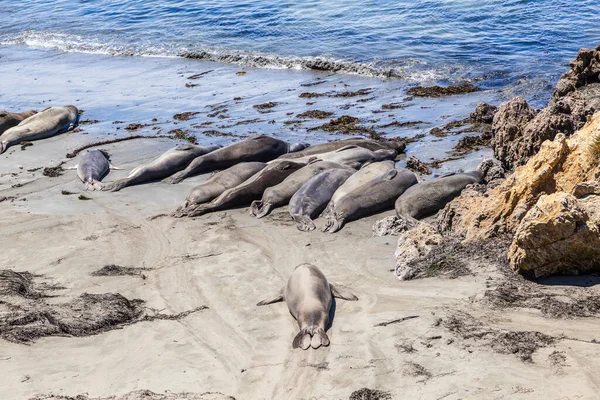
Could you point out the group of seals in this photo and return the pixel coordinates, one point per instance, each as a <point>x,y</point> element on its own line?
<point>352,156</point>
<point>338,144</point>
<point>309,298</point>
<point>258,148</point>
<point>49,122</point>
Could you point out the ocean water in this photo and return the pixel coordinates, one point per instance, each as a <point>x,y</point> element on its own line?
<point>526,44</point>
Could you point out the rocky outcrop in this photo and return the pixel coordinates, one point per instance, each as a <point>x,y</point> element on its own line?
<point>391,226</point>
<point>417,166</point>
<point>491,170</point>
<point>483,114</point>
<point>560,234</point>
<point>412,245</point>
<point>519,131</point>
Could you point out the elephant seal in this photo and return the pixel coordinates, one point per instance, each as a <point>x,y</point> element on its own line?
<point>351,156</point>
<point>309,298</point>
<point>246,192</point>
<point>8,119</point>
<point>258,148</point>
<point>308,202</point>
<point>372,145</point>
<point>220,182</point>
<point>92,167</point>
<point>364,175</point>
<point>281,194</point>
<point>377,195</point>
<point>169,162</point>
<point>428,197</point>
<point>49,122</point>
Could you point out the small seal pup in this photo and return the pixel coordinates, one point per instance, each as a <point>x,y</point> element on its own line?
<point>168,163</point>
<point>369,144</point>
<point>312,197</point>
<point>352,156</point>
<point>92,167</point>
<point>309,298</point>
<point>49,122</point>
<point>246,192</point>
<point>281,194</point>
<point>8,119</point>
<point>377,195</point>
<point>428,197</point>
<point>220,182</point>
<point>258,148</point>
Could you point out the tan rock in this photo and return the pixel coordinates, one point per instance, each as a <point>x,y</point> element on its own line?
<point>557,236</point>
<point>414,244</point>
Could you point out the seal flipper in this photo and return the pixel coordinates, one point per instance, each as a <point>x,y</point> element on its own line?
<point>117,185</point>
<point>334,223</point>
<point>302,340</point>
<point>259,208</point>
<point>305,224</point>
<point>341,293</point>
<point>110,166</point>
<point>319,339</point>
<point>276,299</point>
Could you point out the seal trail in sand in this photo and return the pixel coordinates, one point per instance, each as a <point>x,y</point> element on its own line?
<point>309,298</point>
<point>259,148</point>
<point>92,167</point>
<point>428,197</point>
<point>281,194</point>
<point>8,119</point>
<point>308,202</point>
<point>47,123</point>
<point>169,162</point>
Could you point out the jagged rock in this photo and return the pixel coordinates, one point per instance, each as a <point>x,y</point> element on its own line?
<point>484,113</point>
<point>491,169</point>
<point>583,189</point>
<point>390,226</point>
<point>418,166</point>
<point>558,236</point>
<point>412,245</point>
<point>519,131</point>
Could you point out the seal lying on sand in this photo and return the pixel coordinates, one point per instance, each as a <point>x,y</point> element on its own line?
<point>280,195</point>
<point>50,122</point>
<point>8,119</point>
<point>220,182</point>
<point>259,148</point>
<point>309,298</point>
<point>308,202</point>
<point>428,197</point>
<point>166,164</point>
<point>92,167</point>
<point>364,175</point>
<point>377,195</point>
<point>338,144</point>
<point>351,156</point>
<point>245,193</point>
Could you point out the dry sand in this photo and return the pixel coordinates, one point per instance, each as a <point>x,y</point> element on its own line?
<point>228,261</point>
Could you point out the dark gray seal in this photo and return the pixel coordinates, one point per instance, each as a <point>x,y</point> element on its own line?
<point>312,198</point>
<point>220,182</point>
<point>166,164</point>
<point>280,195</point>
<point>47,123</point>
<point>351,156</point>
<point>428,197</point>
<point>250,190</point>
<point>372,145</point>
<point>258,148</point>
<point>8,119</point>
<point>375,196</point>
<point>92,167</point>
<point>309,298</point>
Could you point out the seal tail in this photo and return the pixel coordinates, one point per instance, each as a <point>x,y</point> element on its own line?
<point>3,147</point>
<point>94,184</point>
<point>305,224</point>
<point>175,178</point>
<point>117,185</point>
<point>259,208</point>
<point>319,339</point>
<point>193,211</point>
<point>302,340</point>
<point>333,223</point>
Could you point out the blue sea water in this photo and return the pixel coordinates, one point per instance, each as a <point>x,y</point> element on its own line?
<point>497,43</point>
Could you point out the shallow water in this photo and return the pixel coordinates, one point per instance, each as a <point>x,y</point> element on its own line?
<point>521,43</point>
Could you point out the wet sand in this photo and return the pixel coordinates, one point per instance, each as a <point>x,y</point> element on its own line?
<point>228,261</point>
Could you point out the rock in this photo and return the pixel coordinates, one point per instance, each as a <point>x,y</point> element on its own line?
<point>558,236</point>
<point>519,132</point>
<point>491,170</point>
<point>507,127</point>
<point>584,189</point>
<point>390,226</point>
<point>412,245</point>
<point>418,166</point>
<point>484,113</point>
